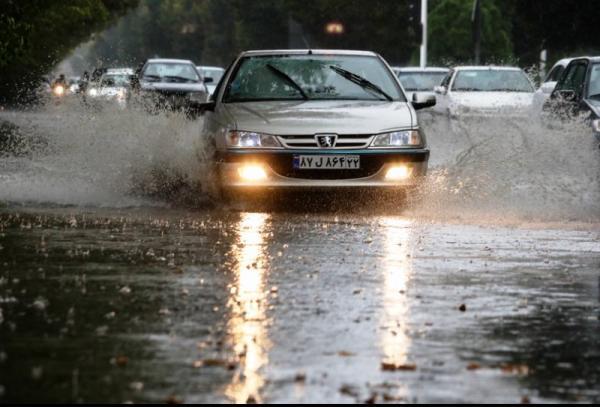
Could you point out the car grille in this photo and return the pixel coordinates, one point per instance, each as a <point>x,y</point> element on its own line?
<point>344,141</point>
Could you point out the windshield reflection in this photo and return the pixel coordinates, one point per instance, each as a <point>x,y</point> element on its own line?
<point>247,302</point>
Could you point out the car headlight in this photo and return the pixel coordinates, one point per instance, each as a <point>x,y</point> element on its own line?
<point>404,138</point>
<point>93,92</point>
<point>596,125</point>
<point>249,139</point>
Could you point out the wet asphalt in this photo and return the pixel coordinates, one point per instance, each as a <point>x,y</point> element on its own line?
<point>172,305</point>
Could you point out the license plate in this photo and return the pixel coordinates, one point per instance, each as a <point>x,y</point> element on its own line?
<point>326,162</point>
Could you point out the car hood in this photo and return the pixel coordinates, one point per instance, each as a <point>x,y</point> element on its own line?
<point>310,117</point>
<point>489,100</point>
<point>172,86</point>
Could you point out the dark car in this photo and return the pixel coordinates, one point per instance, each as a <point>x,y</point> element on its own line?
<point>170,83</point>
<point>577,94</point>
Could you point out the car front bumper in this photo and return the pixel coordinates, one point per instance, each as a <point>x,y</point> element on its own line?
<point>279,172</point>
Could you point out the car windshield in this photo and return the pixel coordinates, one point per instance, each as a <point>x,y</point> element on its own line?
<point>421,81</point>
<point>314,77</point>
<point>215,74</point>
<point>594,88</point>
<point>492,80</point>
<point>170,72</point>
<point>114,80</point>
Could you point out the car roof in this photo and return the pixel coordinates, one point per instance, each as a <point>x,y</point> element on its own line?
<point>419,69</point>
<point>210,68</point>
<point>486,68</point>
<point>119,71</point>
<point>306,52</point>
<point>591,59</point>
<point>170,61</point>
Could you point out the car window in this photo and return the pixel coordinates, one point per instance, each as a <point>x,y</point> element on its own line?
<point>574,78</point>
<point>421,81</point>
<point>491,80</point>
<point>170,72</point>
<point>554,74</point>
<point>256,78</point>
<point>594,85</point>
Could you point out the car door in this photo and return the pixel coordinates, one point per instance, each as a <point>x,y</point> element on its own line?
<point>567,97</point>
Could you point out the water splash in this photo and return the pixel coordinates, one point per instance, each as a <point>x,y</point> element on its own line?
<point>70,154</point>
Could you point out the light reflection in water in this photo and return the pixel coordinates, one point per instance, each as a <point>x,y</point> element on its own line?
<point>248,301</point>
<point>397,267</point>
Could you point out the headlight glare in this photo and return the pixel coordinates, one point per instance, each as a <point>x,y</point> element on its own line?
<point>405,138</point>
<point>248,139</point>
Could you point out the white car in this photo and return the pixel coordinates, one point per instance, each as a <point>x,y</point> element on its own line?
<point>417,80</point>
<point>314,119</point>
<point>113,86</point>
<point>545,90</point>
<point>484,91</point>
<point>212,75</point>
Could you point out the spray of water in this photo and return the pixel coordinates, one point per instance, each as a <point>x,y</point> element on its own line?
<point>499,169</point>
<point>71,154</point>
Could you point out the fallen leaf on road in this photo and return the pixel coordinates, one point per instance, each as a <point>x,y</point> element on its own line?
<point>473,366</point>
<point>344,353</point>
<point>392,367</point>
<point>517,369</point>
<point>462,308</point>
<point>174,400</point>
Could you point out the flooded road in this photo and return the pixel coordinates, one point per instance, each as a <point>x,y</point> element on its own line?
<point>487,291</point>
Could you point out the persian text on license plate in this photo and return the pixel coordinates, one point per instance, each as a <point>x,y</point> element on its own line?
<point>327,162</point>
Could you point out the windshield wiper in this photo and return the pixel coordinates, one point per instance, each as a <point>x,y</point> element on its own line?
<point>360,81</point>
<point>179,78</point>
<point>289,80</point>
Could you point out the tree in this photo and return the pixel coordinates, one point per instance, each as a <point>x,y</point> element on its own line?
<point>450,32</point>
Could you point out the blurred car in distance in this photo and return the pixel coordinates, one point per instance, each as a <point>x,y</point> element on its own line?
<point>211,75</point>
<point>482,91</point>
<point>170,84</point>
<point>419,80</point>
<point>113,86</point>
<point>547,86</point>
<point>577,94</point>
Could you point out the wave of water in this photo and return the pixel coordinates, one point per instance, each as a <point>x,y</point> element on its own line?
<point>70,154</point>
<point>493,169</point>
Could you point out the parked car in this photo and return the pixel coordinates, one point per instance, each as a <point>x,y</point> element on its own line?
<point>305,119</point>
<point>546,88</point>
<point>212,75</point>
<point>577,94</point>
<point>480,91</point>
<point>170,84</point>
<point>113,86</point>
<point>419,80</point>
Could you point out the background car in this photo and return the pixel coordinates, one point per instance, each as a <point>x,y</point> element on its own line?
<point>212,75</point>
<point>547,86</point>
<point>171,84</point>
<point>577,94</point>
<point>419,80</point>
<point>479,91</point>
<point>306,119</point>
<point>113,86</point>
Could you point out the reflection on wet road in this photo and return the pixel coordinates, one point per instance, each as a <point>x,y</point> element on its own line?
<point>154,305</point>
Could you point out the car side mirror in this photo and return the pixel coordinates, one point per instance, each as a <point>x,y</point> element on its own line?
<point>440,90</point>
<point>196,109</point>
<point>548,87</point>
<point>208,80</point>
<point>422,101</point>
<point>567,95</point>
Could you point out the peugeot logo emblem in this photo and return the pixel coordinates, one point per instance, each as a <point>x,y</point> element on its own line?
<point>326,140</point>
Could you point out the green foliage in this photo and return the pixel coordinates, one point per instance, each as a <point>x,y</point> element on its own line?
<point>34,35</point>
<point>451,35</point>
